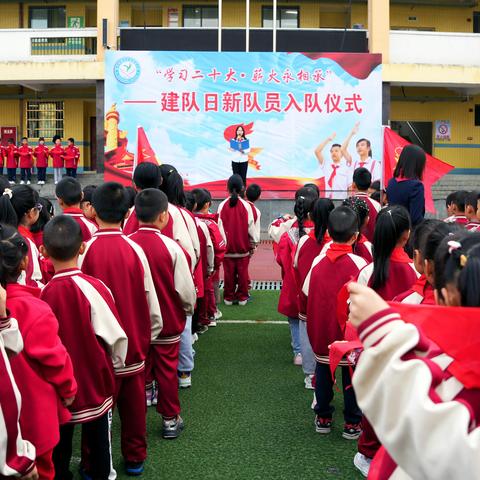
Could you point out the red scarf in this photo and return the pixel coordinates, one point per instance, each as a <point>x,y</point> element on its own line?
<point>25,232</point>
<point>338,250</point>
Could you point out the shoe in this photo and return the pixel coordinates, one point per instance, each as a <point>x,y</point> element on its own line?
<point>309,382</point>
<point>250,298</point>
<point>172,428</point>
<point>11,182</point>
<point>151,395</point>
<point>314,402</point>
<point>213,323</point>
<point>134,469</point>
<point>297,359</point>
<point>228,302</point>
<point>184,380</point>
<point>28,182</point>
<point>351,431</point>
<point>323,425</point>
<point>22,182</point>
<point>242,303</point>
<point>362,463</point>
<point>202,329</point>
<point>194,338</point>
<point>218,314</point>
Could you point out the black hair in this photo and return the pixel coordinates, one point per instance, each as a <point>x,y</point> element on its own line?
<point>342,224</point>
<point>56,137</point>
<point>191,203</point>
<point>314,186</point>
<point>392,222</point>
<point>23,198</point>
<point>368,145</point>
<point>319,215</point>
<point>202,197</point>
<point>147,175</point>
<point>149,204</point>
<point>335,145</point>
<point>7,213</point>
<point>88,193</point>
<point>131,194</point>
<point>11,140</point>
<point>449,199</point>
<point>71,139</point>
<point>421,232</point>
<point>172,186</point>
<point>45,215</point>
<point>62,238</point>
<point>360,207</point>
<point>69,190</point>
<point>304,199</point>
<point>243,129</point>
<point>411,163</point>
<point>41,139</point>
<point>376,185</point>
<point>435,235</point>
<point>377,196</point>
<point>363,179</point>
<point>472,199</point>
<point>166,170</point>
<point>24,138</point>
<point>235,188</point>
<point>253,192</point>
<point>459,199</point>
<point>110,201</point>
<point>13,249</point>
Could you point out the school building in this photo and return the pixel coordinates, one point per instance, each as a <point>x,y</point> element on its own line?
<point>51,59</point>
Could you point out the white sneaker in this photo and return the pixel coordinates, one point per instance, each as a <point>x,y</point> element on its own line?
<point>185,380</point>
<point>28,182</point>
<point>150,396</point>
<point>297,360</point>
<point>213,323</point>
<point>11,182</point>
<point>218,314</point>
<point>22,182</point>
<point>309,382</point>
<point>228,302</point>
<point>362,463</point>
<point>314,402</point>
<point>242,303</point>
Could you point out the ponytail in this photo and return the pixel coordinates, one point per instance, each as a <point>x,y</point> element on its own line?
<point>304,200</point>
<point>13,249</point>
<point>300,214</point>
<point>235,188</point>
<point>392,222</point>
<point>319,216</point>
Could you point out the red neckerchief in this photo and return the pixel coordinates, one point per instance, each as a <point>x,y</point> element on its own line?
<point>73,210</point>
<point>338,250</point>
<point>402,179</point>
<point>399,255</point>
<point>333,175</point>
<point>25,232</point>
<point>420,285</point>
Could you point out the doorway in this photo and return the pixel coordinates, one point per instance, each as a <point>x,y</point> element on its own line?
<point>93,143</point>
<point>418,133</point>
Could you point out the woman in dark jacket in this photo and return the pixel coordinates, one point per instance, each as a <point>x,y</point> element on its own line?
<point>406,187</point>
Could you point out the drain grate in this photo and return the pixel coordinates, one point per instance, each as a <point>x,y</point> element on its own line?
<point>261,285</point>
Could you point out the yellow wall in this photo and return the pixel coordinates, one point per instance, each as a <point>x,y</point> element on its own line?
<point>464,133</point>
<point>9,13</point>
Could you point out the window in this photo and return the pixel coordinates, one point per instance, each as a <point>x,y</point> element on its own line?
<point>287,17</point>
<point>476,22</point>
<point>44,119</point>
<point>47,17</point>
<point>200,16</point>
<point>477,115</point>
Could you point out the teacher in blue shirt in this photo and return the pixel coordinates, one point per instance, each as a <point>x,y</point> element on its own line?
<point>240,158</point>
<point>406,187</point>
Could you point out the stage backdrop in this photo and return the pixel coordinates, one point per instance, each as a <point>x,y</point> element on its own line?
<point>305,117</point>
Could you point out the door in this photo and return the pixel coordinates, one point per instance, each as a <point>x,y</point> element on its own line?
<point>418,133</point>
<point>93,143</point>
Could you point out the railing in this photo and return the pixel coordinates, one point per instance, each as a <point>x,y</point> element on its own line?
<point>435,48</point>
<point>59,44</point>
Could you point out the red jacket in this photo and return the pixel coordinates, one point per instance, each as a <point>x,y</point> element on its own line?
<point>41,156</point>
<point>2,155</point>
<point>238,223</point>
<point>25,154</point>
<point>43,370</point>
<point>131,224</point>
<point>460,219</point>
<point>172,279</point>
<point>122,265</point>
<point>11,154</point>
<point>89,327</point>
<point>401,276</point>
<point>57,153</point>
<point>71,156</point>
<point>87,226</point>
<point>373,208</point>
<point>218,240</point>
<point>362,247</point>
<point>420,293</point>
<point>33,276</point>
<point>329,273</point>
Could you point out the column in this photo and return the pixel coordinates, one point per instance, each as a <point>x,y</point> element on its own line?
<point>108,9</point>
<point>379,28</point>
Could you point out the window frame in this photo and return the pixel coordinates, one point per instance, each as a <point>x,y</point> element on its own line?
<point>201,7</point>
<point>279,18</point>
<point>34,124</point>
<point>49,7</point>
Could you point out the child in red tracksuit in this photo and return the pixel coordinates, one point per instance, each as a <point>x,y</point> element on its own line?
<point>237,220</point>
<point>43,370</point>
<point>122,265</point>
<point>72,157</point>
<point>12,161</point>
<point>329,273</point>
<point>25,155</point>
<point>41,159</point>
<point>176,295</point>
<point>57,153</point>
<point>203,201</point>
<point>362,180</point>
<point>2,158</point>
<point>90,330</point>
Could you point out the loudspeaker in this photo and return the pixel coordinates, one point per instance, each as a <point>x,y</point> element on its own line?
<point>104,32</point>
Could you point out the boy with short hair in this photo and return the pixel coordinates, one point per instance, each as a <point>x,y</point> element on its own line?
<point>69,196</point>
<point>471,209</point>
<point>458,207</point>
<point>12,161</point>
<point>90,329</point>
<point>253,193</point>
<point>86,203</point>
<point>362,180</point>
<point>176,294</point>
<point>72,157</point>
<point>58,158</point>
<point>329,273</point>
<point>41,156</point>
<point>25,154</point>
<point>449,207</point>
<point>122,265</point>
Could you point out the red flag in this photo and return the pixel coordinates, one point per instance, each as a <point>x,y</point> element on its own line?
<point>435,169</point>
<point>145,152</point>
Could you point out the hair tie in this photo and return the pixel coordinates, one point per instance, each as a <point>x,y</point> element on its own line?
<point>8,192</point>
<point>453,245</point>
<point>463,260</point>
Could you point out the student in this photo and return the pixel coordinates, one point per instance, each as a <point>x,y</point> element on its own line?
<point>25,154</point>
<point>69,196</point>
<point>58,157</point>
<point>308,248</point>
<point>396,371</point>
<point>122,265</point>
<point>72,157</point>
<point>252,194</point>
<point>145,175</point>
<point>458,207</point>
<point>329,272</point>
<point>362,179</point>
<point>12,161</point>
<point>44,216</point>
<point>90,330</point>
<point>176,295</point>
<point>203,201</point>
<point>41,159</point>
<point>237,221</point>
<point>20,207</point>
<point>288,300</point>
<point>2,158</point>
<point>43,369</point>
<point>449,207</point>
<point>86,203</point>
<point>471,211</point>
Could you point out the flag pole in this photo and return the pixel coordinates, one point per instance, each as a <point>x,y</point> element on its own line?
<point>220,25</point>
<point>247,26</point>
<point>274,40</point>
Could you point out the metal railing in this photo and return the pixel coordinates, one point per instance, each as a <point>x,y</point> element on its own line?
<point>63,46</point>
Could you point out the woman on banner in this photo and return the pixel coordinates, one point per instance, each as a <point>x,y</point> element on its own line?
<point>240,146</point>
<point>406,187</point>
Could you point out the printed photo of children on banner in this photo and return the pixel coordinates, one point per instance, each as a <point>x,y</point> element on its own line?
<point>278,119</point>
